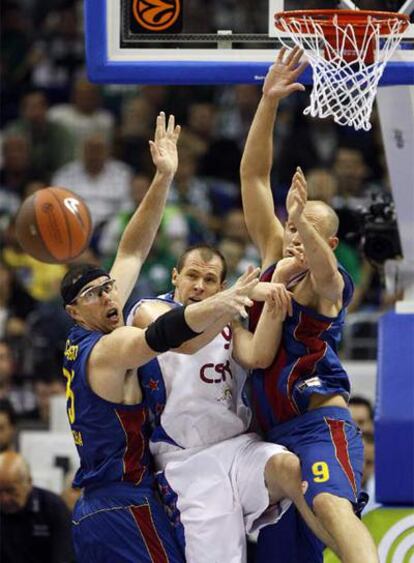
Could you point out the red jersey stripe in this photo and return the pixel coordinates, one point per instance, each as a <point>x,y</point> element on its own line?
<point>143,518</point>
<point>340,442</point>
<point>132,422</point>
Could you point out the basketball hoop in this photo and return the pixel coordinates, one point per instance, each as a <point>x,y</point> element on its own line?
<point>348,51</point>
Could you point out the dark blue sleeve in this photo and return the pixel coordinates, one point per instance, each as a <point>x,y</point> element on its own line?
<point>348,290</point>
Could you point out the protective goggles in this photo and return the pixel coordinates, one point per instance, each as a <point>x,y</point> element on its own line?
<point>93,294</point>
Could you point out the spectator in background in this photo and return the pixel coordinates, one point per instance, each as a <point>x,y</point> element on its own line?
<point>51,143</point>
<point>169,243</point>
<point>233,251</point>
<point>60,51</point>
<point>35,523</point>
<point>103,182</point>
<point>16,56</point>
<point>14,173</point>
<point>352,175</point>
<point>362,413</point>
<point>235,245</point>
<point>112,230</point>
<point>368,475</point>
<point>84,116</point>
<point>6,369</point>
<point>40,280</point>
<point>13,382</point>
<point>156,96</point>
<point>70,494</point>
<point>191,193</point>
<point>47,327</point>
<point>237,107</point>
<point>234,226</point>
<point>8,429</point>
<point>201,126</point>
<point>311,143</point>
<point>137,118</point>
<point>47,384</point>
<point>15,304</point>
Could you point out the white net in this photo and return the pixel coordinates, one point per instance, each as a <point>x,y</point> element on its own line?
<point>345,81</point>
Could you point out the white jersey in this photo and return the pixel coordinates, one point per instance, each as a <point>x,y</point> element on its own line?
<point>196,400</point>
<point>211,474</point>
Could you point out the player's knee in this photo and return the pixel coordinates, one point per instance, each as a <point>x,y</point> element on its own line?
<point>284,471</point>
<point>327,506</point>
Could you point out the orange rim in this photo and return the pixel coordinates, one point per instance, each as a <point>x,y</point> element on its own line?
<point>324,18</point>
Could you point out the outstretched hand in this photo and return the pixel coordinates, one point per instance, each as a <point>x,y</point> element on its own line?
<point>237,297</point>
<point>281,78</point>
<point>164,146</point>
<point>297,196</point>
<point>279,300</point>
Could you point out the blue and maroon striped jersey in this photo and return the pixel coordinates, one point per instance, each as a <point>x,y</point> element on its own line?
<point>306,362</point>
<point>111,438</point>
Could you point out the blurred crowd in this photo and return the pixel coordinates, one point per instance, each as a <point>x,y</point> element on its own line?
<point>57,128</point>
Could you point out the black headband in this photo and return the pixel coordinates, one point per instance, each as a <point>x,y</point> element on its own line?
<point>70,291</point>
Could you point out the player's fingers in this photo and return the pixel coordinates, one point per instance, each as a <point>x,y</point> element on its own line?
<point>243,313</point>
<point>160,129</point>
<point>249,275</point>
<point>154,149</point>
<point>289,306</point>
<point>298,199</point>
<point>300,173</point>
<point>299,69</point>
<point>248,287</point>
<point>287,303</point>
<point>300,185</point>
<point>291,55</point>
<point>296,56</point>
<point>176,133</point>
<point>242,302</point>
<point>302,188</point>
<point>280,55</point>
<point>246,301</point>
<point>171,125</point>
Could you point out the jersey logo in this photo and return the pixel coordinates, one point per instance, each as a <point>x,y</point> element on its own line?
<point>209,372</point>
<point>226,396</point>
<point>311,382</point>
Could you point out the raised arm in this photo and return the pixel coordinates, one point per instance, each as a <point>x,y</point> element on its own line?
<point>140,232</point>
<point>327,282</point>
<point>264,227</point>
<point>258,349</point>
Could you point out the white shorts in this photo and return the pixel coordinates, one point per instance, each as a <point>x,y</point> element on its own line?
<point>222,495</point>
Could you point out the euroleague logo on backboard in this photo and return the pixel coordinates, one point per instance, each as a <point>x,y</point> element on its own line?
<point>156,15</point>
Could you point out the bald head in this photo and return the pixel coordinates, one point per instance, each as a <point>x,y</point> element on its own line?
<point>14,464</point>
<point>321,213</point>
<point>15,482</point>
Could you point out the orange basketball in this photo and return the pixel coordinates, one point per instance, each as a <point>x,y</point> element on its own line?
<point>54,225</point>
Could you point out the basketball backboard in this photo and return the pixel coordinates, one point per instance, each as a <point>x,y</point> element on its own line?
<point>195,42</point>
